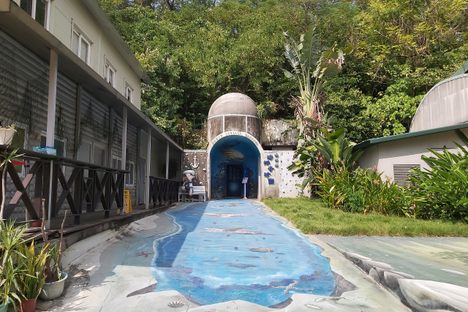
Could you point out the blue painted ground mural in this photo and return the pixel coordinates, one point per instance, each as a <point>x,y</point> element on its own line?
<point>230,249</point>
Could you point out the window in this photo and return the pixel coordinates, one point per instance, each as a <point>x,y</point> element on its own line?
<point>129,93</point>
<point>80,45</point>
<point>59,145</point>
<point>84,152</point>
<point>92,153</point>
<point>19,138</point>
<point>19,141</point>
<point>130,177</point>
<point>401,173</point>
<point>99,155</point>
<point>37,9</point>
<point>116,162</point>
<point>109,73</point>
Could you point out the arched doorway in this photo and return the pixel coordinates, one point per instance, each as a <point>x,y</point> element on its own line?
<point>231,159</point>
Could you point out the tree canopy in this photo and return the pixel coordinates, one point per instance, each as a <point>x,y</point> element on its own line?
<point>196,50</point>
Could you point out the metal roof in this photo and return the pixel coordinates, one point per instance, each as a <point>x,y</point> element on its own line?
<point>462,70</point>
<point>408,135</point>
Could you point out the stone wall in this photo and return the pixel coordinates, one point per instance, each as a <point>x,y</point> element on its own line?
<point>196,160</point>
<point>278,132</point>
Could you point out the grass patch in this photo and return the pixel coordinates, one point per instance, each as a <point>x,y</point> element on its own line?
<point>312,217</point>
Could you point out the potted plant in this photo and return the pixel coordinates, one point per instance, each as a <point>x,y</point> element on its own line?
<point>55,277</point>
<point>7,287</point>
<point>6,134</point>
<point>6,158</point>
<point>31,275</point>
<point>11,239</point>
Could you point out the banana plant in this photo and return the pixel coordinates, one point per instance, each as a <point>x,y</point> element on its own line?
<point>310,64</point>
<point>335,149</point>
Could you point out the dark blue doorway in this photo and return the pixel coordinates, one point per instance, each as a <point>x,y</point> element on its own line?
<point>231,159</point>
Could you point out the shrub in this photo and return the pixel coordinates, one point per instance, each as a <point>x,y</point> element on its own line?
<point>441,191</point>
<point>361,190</point>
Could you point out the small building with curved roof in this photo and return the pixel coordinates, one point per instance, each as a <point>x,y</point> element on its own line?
<point>446,104</point>
<point>241,160</point>
<point>441,121</point>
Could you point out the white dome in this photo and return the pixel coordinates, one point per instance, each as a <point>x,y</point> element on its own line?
<point>233,103</point>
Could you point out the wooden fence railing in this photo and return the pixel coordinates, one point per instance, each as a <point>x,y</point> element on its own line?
<point>63,184</point>
<point>163,191</point>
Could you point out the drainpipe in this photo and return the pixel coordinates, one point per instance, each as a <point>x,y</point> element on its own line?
<point>52,98</point>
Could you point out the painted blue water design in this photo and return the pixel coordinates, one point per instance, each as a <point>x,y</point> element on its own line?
<point>231,250</point>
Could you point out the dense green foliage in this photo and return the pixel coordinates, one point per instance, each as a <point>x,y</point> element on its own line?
<point>438,192</point>
<point>329,150</point>
<point>361,190</point>
<point>196,50</point>
<point>311,217</point>
<point>442,191</point>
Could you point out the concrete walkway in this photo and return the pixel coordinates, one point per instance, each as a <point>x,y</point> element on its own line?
<point>441,259</point>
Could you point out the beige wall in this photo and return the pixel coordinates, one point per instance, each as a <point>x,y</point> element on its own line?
<point>383,156</point>
<point>66,14</point>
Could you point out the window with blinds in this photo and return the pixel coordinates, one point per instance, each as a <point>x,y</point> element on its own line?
<point>401,173</point>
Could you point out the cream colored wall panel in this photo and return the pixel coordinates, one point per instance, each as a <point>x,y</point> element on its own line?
<point>65,15</point>
<point>383,156</point>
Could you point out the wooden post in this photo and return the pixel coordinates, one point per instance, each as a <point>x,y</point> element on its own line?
<point>110,139</point>
<point>123,165</point>
<point>138,169</point>
<point>148,169</point>
<point>124,138</point>
<point>51,198</point>
<point>52,98</point>
<point>167,160</point>
<point>77,121</point>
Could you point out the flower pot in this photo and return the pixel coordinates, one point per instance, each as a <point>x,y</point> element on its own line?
<point>6,135</point>
<point>28,305</point>
<point>4,307</point>
<point>35,223</point>
<point>53,290</point>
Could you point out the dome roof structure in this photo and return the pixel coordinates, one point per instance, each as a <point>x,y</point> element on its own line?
<point>233,103</point>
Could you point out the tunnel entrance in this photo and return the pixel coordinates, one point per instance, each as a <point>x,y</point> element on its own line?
<point>232,159</point>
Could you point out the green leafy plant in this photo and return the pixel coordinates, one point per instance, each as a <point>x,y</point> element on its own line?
<point>361,190</point>
<point>6,159</point>
<point>11,240</point>
<point>53,263</point>
<point>31,277</point>
<point>441,190</point>
<point>331,150</point>
<point>335,149</point>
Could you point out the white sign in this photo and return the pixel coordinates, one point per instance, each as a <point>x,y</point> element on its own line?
<point>244,180</point>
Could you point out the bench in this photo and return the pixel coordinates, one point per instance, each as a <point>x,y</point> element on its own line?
<point>198,190</point>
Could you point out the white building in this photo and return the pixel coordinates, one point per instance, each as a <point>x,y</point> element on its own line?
<point>69,83</point>
<point>440,120</point>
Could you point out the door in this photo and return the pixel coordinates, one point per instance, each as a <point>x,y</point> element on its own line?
<point>234,180</point>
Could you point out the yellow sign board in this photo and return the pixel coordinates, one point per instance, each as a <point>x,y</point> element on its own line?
<point>127,202</point>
